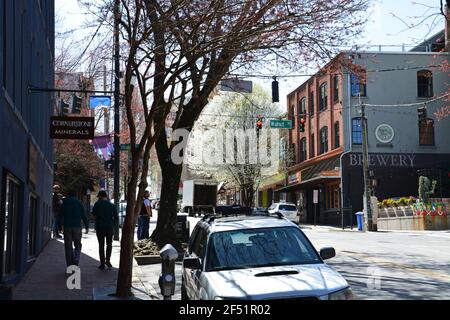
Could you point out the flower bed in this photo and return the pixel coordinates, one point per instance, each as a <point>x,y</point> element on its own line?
<point>430,209</point>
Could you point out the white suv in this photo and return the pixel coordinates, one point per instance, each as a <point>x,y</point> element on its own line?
<point>289,210</point>
<point>257,258</point>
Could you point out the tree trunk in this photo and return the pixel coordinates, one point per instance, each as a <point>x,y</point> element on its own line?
<point>168,209</point>
<point>125,275</point>
<point>247,194</point>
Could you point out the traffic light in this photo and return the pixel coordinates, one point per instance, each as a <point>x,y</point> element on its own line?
<point>422,113</point>
<point>275,93</point>
<point>64,108</point>
<point>259,124</point>
<point>76,104</point>
<point>301,124</point>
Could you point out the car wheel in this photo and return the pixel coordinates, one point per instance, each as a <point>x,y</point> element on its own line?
<point>184,295</point>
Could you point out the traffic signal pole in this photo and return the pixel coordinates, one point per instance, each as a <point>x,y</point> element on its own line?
<point>116,111</point>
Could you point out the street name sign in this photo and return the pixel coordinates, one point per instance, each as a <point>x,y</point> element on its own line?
<point>281,124</point>
<point>125,147</point>
<point>235,85</point>
<point>76,128</point>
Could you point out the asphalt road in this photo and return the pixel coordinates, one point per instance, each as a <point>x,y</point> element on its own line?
<point>385,265</point>
<point>390,265</point>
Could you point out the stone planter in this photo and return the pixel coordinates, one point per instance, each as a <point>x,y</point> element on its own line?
<point>415,223</point>
<point>145,260</point>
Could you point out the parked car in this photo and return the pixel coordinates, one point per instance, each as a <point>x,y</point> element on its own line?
<point>260,211</point>
<point>256,257</point>
<point>289,210</point>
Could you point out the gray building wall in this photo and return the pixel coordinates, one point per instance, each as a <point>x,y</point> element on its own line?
<point>26,58</point>
<point>397,175</point>
<point>399,87</point>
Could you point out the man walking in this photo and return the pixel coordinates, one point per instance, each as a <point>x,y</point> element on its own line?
<point>72,213</point>
<point>106,217</point>
<point>144,218</point>
<point>56,207</point>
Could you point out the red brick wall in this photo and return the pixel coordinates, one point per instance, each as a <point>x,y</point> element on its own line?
<point>318,120</point>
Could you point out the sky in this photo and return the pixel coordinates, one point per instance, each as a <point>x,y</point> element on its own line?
<point>386,26</point>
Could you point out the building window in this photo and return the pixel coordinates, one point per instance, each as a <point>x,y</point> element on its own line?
<point>31,237</point>
<point>424,84</point>
<point>336,88</point>
<point>311,147</point>
<point>292,116</point>
<point>332,197</point>
<point>302,150</point>
<point>426,132</point>
<point>336,135</point>
<point>356,131</point>
<point>324,140</point>
<point>10,227</point>
<point>311,103</point>
<point>302,106</point>
<point>323,100</point>
<point>358,85</point>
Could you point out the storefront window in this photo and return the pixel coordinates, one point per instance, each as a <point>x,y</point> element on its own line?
<point>332,196</point>
<point>11,215</point>
<point>31,237</point>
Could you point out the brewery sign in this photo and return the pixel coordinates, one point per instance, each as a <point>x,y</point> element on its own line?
<point>76,128</point>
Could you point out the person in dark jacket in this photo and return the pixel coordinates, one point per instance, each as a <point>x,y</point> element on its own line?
<point>106,217</point>
<point>72,213</point>
<point>56,207</point>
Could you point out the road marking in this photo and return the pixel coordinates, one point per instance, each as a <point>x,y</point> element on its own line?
<point>429,273</point>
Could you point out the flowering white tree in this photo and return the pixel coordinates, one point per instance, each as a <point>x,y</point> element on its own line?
<point>226,145</point>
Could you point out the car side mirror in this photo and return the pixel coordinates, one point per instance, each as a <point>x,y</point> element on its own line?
<point>327,253</point>
<point>192,263</point>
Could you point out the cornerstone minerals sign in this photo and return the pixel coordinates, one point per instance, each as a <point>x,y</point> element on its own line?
<point>76,128</point>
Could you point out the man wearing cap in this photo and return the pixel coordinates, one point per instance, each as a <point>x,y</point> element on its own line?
<point>106,217</point>
<point>56,207</point>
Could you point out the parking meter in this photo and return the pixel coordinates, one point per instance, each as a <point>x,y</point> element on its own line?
<point>167,278</point>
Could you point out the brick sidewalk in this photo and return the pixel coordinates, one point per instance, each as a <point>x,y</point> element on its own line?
<point>46,280</point>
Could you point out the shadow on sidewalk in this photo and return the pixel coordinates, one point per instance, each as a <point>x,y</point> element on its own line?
<point>47,278</point>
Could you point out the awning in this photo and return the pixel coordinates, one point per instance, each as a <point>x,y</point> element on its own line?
<point>307,183</point>
<point>323,171</point>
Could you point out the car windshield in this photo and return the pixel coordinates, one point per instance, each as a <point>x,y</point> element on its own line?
<point>252,248</point>
<point>288,207</point>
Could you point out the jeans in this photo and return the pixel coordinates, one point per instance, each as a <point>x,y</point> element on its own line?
<point>143,227</point>
<point>72,237</point>
<point>103,234</point>
<point>56,225</point>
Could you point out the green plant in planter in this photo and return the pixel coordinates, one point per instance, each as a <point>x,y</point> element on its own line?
<point>391,203</point>
<point>410,201</point>
<point>426,188</point>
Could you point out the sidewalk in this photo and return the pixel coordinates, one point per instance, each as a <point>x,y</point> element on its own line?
<point>46,280</point>
<point>327,228</point>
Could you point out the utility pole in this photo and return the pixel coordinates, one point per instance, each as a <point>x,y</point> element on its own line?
<point>106,122</point>
<point>116,110</point>
<point>367,188</point>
